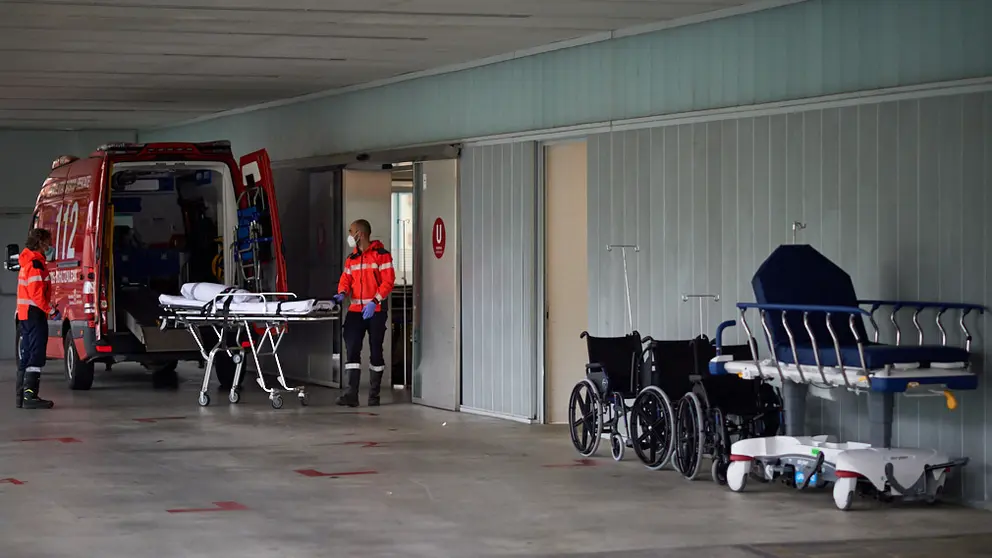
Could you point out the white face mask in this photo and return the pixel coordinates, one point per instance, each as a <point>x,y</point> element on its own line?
<point>352,242</point>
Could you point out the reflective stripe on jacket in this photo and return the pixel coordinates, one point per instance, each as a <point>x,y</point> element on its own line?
<point>34,288</point>
<point>368,276</point>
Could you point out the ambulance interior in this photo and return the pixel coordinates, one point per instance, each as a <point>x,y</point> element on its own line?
<point>167,227</point>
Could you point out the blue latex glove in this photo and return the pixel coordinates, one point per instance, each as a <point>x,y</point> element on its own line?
<point>55,316</point>
<point>338,298</point>
<point>369,310</point>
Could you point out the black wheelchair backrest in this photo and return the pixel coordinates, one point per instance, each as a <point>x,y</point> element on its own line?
<point>620,358</point>
<point>675,362</point>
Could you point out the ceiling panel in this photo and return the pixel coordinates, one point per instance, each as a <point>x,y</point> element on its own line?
<point>141,63</point>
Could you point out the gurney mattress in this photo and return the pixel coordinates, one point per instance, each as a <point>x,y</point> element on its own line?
<point>295,307</point>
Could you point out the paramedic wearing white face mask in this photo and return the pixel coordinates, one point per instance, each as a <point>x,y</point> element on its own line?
<point>367,280</point>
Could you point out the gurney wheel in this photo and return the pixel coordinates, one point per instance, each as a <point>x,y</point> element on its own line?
<point>276,402</point>
<point>234,396</point>
<point>304,400</point>
<point>585,411</point>
<point>689,436</point>
<point>737,474</point>
<point>844,492</point>
<point>617,446</point>
<point>204,399</point>
<point>651,425</point>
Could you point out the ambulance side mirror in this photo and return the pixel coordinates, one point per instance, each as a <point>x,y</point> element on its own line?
<point>13,257</point>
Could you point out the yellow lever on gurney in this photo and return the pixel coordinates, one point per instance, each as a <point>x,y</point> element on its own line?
<point>952,402</point>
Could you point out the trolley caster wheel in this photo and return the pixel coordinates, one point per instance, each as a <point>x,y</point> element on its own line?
<point>204,399</point>
<point>617,446</point>
<point>276,402</point>
<point>718,471</point>
<point>736,475</point>
<point>304,400</point>
<point>236,359</point>
<point>234,396</point>
<point>844,493</point>
<point>935,498</point>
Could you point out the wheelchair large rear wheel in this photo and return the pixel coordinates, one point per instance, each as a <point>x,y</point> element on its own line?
<point>585,413</point>
<point>689,434</point>
<point>651,425</point>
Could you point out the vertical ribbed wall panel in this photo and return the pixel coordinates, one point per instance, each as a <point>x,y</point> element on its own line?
<point>499,279</point>
<point>812,48</point>
<point>896,193</point>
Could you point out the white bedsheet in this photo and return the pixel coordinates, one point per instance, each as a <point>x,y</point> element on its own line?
<point>257,308</point>
<point>205,292</point>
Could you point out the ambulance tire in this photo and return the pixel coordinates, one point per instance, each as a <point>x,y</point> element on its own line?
<point>78,374</point>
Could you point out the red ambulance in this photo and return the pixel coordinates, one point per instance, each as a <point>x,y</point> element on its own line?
<point>133,221</point>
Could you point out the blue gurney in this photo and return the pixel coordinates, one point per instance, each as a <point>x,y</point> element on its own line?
<point>813,325</point>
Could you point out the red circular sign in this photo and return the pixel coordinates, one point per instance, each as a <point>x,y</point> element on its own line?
<point>439,238</point>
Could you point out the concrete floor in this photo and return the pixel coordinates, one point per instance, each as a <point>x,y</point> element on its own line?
<point>438,484</point>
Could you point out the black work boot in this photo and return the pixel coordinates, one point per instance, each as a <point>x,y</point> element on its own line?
<point>375,379</point>
<point>20,388</point>
<point>350,396</point>
<point>32,383</point>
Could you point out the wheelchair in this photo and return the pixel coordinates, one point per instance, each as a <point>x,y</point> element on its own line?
<point>597,406</point>
<point>717,408</point>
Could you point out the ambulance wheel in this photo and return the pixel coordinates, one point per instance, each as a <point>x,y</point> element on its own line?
<point>224,367</point>
<point>78,374</point>
<point>163,373</point>
<point>844,493</point>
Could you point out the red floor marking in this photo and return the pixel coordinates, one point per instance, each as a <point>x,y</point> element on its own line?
<point>156,419</point>
<point>11,481</point>
<point>316,473</point>
<point>364,444</point>
<point>577,463</point>
<point>220,506</point>
<point>362,413</point>
<point>61,440</point>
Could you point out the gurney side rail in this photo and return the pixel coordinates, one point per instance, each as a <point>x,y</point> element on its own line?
<point>920,306</point>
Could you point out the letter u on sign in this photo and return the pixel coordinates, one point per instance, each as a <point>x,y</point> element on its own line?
<point>439,237</point>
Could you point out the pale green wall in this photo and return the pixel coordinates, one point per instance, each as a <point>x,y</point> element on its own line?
<point>801,50</point>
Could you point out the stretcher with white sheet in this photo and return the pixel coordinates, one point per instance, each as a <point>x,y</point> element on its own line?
<point>813,325</point>
<point>236,317</point>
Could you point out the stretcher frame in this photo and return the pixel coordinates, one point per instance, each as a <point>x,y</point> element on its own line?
<point>224,321</point>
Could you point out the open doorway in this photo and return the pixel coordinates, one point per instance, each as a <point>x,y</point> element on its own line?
<point>401,303</point>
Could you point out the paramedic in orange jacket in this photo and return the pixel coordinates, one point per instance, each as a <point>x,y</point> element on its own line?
<point>367,280</point>
<point>34,310</point>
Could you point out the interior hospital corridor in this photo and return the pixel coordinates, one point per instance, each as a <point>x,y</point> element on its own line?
<point>679,279</point>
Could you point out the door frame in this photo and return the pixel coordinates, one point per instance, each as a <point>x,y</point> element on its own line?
<point>542,284</point>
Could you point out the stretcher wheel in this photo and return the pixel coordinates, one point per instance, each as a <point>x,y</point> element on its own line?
<point>617,447</point>
<point>844,492</point>
<point>737,474</point>
<point>276,402</point>
<point>689,436</point>
<point>585,411</point>
<point>304,399</point>
<point>204,399</point>
<point>651,425</point>
<point>234,396</point>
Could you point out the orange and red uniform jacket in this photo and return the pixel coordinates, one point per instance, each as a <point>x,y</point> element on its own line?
<point>34,287</point>
<point>368,276</point>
